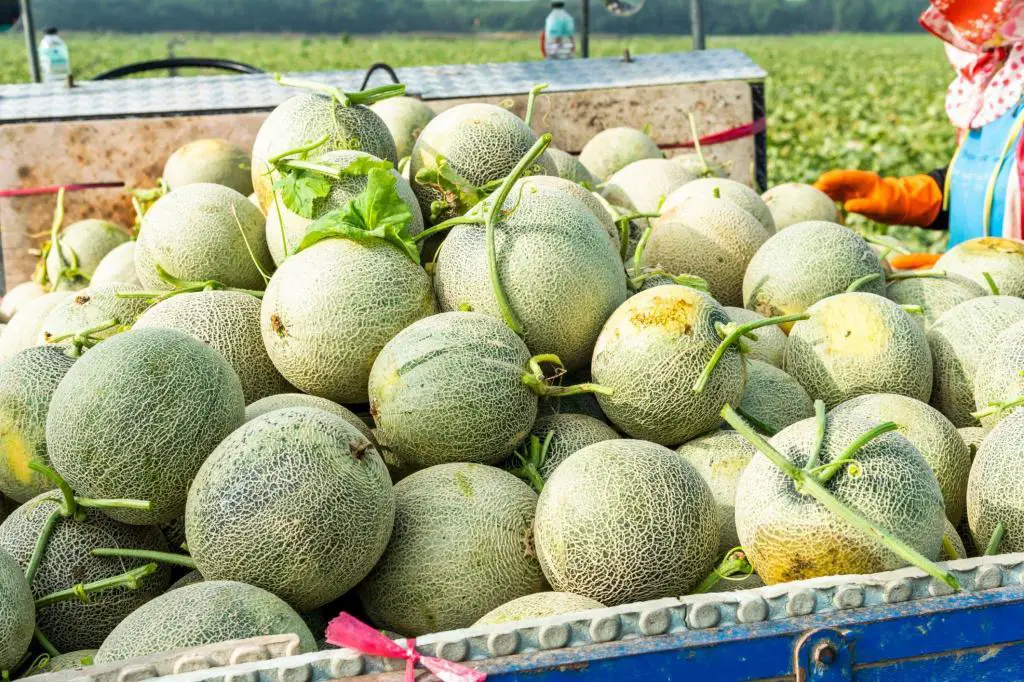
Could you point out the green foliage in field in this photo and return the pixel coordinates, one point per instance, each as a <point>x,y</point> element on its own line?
<point>835,100</point>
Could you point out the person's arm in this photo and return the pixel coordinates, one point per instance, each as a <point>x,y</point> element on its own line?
<point>913,200</point>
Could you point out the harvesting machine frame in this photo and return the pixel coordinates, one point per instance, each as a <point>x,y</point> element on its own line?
<point>121,131</point>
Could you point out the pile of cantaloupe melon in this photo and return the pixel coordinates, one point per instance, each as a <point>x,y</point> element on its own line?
<point>437,372</point>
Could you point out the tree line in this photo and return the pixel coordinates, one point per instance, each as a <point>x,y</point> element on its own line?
<point>733,17</point>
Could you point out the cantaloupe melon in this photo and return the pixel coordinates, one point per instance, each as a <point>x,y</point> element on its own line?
<point>772,399</point>
<point>720,458</point>
<point>804,263</point>
<point>570,168</point>
<point>650,354</point>
<point>228,322</point>
<point>955,541</point>
<point>998,378</point>
<point>23,330</point>
<point>83,245</point>
<point>591,200</point>
<point>793,202</point>
<point>539,605</point>
<point>959,342</point>
<point>770,346</point>
<point>405,117</point>
<point>68,561</point>
<point>702,165</point>
<point>480,143</point>
<point>330,309</point>
<point>561,274</point>
<point>935,295</point>
<point>205,613</point>
<point>73,660</point>
<point>449,388</point>
<point>462,546</point>
<point>1002,259</point>
<point>343,190</point>
<point>27,382</point>
<point>117,267</point>
<point>994,493</point>
<point>930,432</point>
<point>859,343</point>
<point>305,119</point>
<point>736,192</point>
<point>624,521</point>
<point>711,238</point>
<point>613,149</point>
<point>973,437</point>
<point>297,502</point>
<point>569,433</point>
<point>167,401</point>
<point>190,578</point>
<point>93,308</point>
<point>212,160</point>
<point>203,232</point>
<point>281,401</point>
<point>788,535</point>
<point>17,613</point>
<point>19,296</point>
<point>644,185</point>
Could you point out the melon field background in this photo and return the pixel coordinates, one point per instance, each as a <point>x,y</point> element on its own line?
<point>835,100</point>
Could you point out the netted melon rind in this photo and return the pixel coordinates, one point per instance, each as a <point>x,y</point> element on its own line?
<point>83,244</point>
<point>613,149</point>
<point>211,160</point>
<point>462,546</point>
<point>935,295</point>
<point>994,492</point>
<point>570,168</point>
<point>117,267</point>
<point>998,378</point>
<point>281,401</point>
<point>17,613</point>
<point>736,192</point>
<point>203,613</point>
<point>774,398</point>
<point>624,521</point>
<point>1002,259</point>
<point>95,305</point>
<point>405,117</point>
<point>793,202</point>
<point>539,605</point>
<point>167,401</point>
<point>770,346</point>
<point>18,296</point>
<point>644,185</point>
<point>22,331</point>
<point>572,432</point>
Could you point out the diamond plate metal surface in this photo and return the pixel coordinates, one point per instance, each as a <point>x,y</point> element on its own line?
<point>226,94</point>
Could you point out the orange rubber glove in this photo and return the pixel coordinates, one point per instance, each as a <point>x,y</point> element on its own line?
<point>914,200</point>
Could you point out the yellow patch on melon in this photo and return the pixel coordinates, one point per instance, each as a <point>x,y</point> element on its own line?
<point>858,328</point>
<point>788,558</point>
<point>17,454</point>
<point>986,245</point>
<point>674,314</point>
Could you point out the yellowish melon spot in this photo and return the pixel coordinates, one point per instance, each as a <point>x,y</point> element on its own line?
<point>674,314</point>
<point>993,245</point>
<point>17,454</point>
<point>731,467</point>
<point>856,329</point>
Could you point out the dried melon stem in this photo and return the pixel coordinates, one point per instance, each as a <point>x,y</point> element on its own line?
<point>734,564</point>
<point>807,483</point>
<point>129,580</point>
<point>733,336</point>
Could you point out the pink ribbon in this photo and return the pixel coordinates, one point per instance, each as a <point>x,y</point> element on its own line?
<point>53,189</point>
<point>346,631</point>
<point>745,130</point>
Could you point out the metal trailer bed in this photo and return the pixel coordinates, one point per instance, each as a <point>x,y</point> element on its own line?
<point>886,626</point>
<point>123,130</point>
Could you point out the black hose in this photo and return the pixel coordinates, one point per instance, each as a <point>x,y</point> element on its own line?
<point>178,63</point>
<point>379,66</point>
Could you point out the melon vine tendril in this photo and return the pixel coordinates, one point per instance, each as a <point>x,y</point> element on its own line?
<point>993,287</point>
<point>733,336</point>
<point>182,560</point>
<point>536,380</point>
<point>998,408</point>
<point>826,472</point>
<point>948,548</point>
<point>531,101</point>
<point>858,283</point>
<point>734,564</point>
<point>810,485</point>
<point>447,225</point>
<point>821,421</point>
<point>41,542</point>
<point>45,643</point>
<point>80,592</point>
<point>507,314</point>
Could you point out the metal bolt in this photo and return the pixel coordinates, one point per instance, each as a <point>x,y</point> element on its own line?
<point>825,653</point>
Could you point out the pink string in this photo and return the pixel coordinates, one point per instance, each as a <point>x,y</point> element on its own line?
<point>348,632</point>
<point>53,189</point>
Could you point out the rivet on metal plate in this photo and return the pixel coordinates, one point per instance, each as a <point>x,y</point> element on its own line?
<point>897,591</point>
<point>553,636</point>
<point>801,603</point>
<point>453,651</point>
<point>346,664</point>
<point>703,616</point>
<point>604,629</point>
<point>654,622</point>
<point>849,597</point>
<point>752,611</point>
<point>294,673</point>
<point>503,643</point>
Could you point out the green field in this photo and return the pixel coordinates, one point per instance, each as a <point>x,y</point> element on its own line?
<point>835,100</point>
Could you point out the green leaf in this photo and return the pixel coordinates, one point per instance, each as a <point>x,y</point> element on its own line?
<point>300,189</point>
<point>364,164</point>
<point>379,212</point>
<point>459,194</point>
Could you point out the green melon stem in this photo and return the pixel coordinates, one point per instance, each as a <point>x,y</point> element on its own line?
<point>69,506</point>
<point>248,247</point>
<point>47,645</point>
<point>182,286</point>
<point>536,380</point>
<point>998,408</point>
<point>147,555</point>
<point>915,274</point>
<point>886,241</point>
<point>312,166</point>
<point>507,314</point>
<point>85,338</point>
<point>448,224</point>
<point>55,247</point>
<point>345,99</point>
<point>821,420</point>
<point>861,281</point>
<point>826,472</point>
<point>531,458</point>
<point>696,141</point>
<point>996,540</point>
<point>137,505</point>
<point>299,151</point>
<point>912,309</point>
<point>80,592</point>
<point>993,287</point>
<point>809,484</point>
<point>734,563</point>
<point>758,424</point>
<point>531,101</point>
<point>733,337</point>
<point>947,546</point>
<point>41,542</point>
<point>641,246</point>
